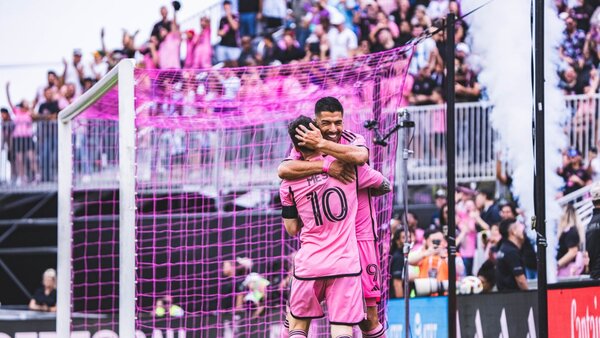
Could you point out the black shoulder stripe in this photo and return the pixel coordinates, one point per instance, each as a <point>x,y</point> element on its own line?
<point>349,135</point>
<point>346,138</point>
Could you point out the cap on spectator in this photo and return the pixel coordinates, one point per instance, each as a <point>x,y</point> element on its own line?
<point>440,193</point>
<point>573,152</point>
<point>595,192</point>
<point>336,18</point>
<point>77,52</point>
<point>463,47</point>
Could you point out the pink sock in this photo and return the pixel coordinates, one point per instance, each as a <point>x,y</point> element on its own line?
<point>377,332</point>
<point>285,330</point>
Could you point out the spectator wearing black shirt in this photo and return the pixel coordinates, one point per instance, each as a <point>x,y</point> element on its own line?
<point>403,13</point>
<point>490,212</point>
<point>582,13</point>
<point>250,14</point>
<point>592,235</point>
<point>570,233</point>
<point>509,211</point>
<point>290,50</point>
<point>267,51</point>
<point>163,23</point>
<point>44,298</point>
<point>467,87</point>
<point>383,41</point>
<point>510,269</point>
<point>247,55</point>
<point>425,89</point>
<point>228,48</point>
<point>573,83</point>
<point>47,134</point>
<point>574,173</point>
<point>397,262</point>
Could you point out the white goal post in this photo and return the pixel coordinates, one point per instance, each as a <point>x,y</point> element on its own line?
<point>123,75</point>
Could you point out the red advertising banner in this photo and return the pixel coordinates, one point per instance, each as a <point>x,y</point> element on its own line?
<point>574,313</point>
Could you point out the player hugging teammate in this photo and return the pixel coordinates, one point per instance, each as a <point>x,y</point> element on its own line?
<point>328,186</point>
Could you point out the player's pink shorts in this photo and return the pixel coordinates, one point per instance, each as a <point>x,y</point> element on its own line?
<point>343,296</point>
<point>371,275</point>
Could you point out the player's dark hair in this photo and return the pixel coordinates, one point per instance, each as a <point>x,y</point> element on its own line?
<point>227,2</point>
<point>3,110</point>
<point>51,72</point>
<point>328,103</point>
<point>299,121</point>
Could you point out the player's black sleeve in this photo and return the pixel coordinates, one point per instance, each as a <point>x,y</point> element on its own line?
<point>289,212</point>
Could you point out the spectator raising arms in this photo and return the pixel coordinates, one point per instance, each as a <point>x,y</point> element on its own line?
<point>199,52</point>
<point>229,48</point>
<point>163,23</point>
<point>22,140</point>
<point>168,50</point>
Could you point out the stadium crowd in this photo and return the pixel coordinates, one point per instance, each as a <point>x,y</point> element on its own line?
<point>276,32</point>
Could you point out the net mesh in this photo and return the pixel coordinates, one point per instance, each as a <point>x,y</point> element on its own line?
<point>213,258</point>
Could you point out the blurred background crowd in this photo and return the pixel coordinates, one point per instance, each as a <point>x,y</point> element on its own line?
<point>275,32</point>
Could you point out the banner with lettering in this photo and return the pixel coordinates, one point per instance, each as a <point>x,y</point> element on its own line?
<point>574,312</point>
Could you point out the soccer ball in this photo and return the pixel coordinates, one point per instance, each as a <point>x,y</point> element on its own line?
<point>470,285</point>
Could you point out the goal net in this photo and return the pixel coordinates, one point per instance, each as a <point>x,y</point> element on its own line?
<point>170,221</point>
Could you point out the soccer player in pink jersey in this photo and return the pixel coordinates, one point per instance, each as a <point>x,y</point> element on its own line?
<point>345,146</point>
<point>327,265</point>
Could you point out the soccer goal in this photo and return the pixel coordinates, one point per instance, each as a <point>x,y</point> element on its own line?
<point>169,217</point>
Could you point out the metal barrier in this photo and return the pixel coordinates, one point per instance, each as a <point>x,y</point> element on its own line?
<point>474,145</point>
<point>28,155</point>
<point>28,159</point>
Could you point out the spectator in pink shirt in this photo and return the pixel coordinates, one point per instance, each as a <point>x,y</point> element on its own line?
<point>168,50</point>
<point>467,239</point>
<point>22,140</point>
<point>199,49</point>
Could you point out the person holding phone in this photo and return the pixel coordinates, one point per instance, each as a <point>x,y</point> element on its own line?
<point>432,258</point>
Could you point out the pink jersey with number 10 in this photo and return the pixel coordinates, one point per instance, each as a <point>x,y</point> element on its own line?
<point>327,208</point>
<point>366,224</point>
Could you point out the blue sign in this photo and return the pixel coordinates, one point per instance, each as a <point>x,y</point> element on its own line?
<point>428,317</point>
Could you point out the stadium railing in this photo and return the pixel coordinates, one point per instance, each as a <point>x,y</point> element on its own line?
<point>582,202</point>
<point>476,153</point>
